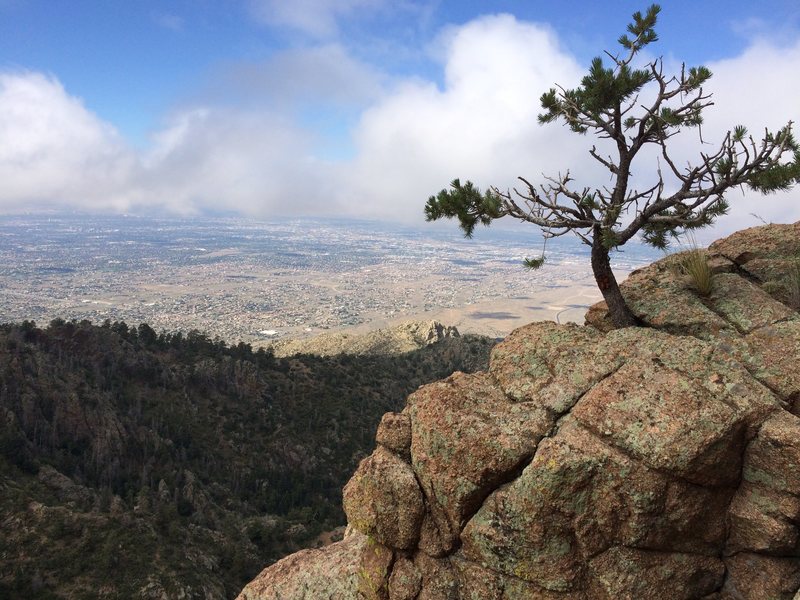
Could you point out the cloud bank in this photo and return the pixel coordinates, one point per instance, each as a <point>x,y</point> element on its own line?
<point>257,147</point>
<point>54,151</point>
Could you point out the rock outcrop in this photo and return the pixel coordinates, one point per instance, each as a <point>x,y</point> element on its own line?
<point>659,462</point>
<point>405,337</point>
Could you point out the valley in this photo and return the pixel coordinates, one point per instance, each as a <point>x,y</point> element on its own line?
<point>259,282</point>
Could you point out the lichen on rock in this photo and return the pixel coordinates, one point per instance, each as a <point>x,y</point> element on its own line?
<point>356,567</point>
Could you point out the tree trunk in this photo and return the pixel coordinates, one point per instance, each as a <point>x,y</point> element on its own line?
<point>621,315</point>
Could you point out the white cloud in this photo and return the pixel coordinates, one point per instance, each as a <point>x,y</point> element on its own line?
<point>54,150</point>
<point>211,160</point>
<point>252,153</point>
<point>758,89</point>
<point>481,125</point>
<point>56,154</point>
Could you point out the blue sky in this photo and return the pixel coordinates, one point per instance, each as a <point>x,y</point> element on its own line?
<point>340,106</point>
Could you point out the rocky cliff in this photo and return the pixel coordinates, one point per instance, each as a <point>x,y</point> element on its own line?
<point>660,462</point>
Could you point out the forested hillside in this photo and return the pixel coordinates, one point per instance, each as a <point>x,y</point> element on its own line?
<point>165,465</point>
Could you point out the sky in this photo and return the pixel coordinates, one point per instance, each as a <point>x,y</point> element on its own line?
<point>266,108</point>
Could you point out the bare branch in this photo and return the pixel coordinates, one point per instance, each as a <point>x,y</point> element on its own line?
<point>609,164</point>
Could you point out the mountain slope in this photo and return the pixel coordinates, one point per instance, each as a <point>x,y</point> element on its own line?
<point>141,465</point>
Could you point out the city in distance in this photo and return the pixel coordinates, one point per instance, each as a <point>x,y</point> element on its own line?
<point>258,282</point>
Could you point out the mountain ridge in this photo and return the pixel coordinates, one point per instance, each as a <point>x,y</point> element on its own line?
<point>404,337</point>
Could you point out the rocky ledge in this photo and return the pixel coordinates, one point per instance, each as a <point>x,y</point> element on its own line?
<point>659,462</point>
<point>405,337</point>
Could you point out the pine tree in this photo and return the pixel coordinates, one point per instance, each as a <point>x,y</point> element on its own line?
<point>608,104</point>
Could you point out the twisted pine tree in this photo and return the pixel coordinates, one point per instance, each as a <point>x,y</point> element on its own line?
<point>607,104</point>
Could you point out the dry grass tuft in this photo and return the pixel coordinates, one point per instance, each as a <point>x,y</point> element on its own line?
<point>693,265</point>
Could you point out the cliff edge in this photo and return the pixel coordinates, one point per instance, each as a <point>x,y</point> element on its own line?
<point>660,462</point>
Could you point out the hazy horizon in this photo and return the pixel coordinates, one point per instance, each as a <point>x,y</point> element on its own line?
<point>239,278</point>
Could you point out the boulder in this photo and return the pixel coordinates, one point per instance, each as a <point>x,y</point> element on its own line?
<point>356,567</point>
<point>384,501</point>
<point>749,287</point>
<point>771,355</point>
<point>551,365</point>
<point>405,582</point>
<point>759,577</point>
<point>580,497</point>
<point>745,305</point>
<point>768,241</point>
<point>636,573</point>
<point>765,512</point>
<point>666,420</point>
<point>467,438</point>
<point>394,433</point>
